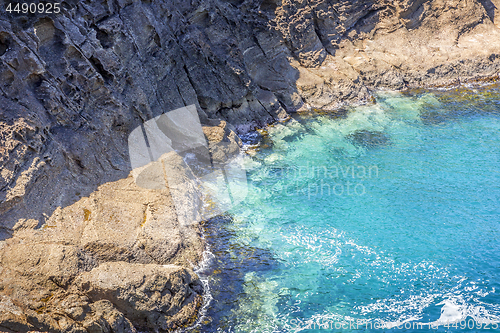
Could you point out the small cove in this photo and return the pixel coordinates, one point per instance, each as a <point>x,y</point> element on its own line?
<point>386,216</point>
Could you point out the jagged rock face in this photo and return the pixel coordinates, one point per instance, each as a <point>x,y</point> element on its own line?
<point>74,85</point>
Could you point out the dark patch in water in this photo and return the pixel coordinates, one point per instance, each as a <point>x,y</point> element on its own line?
<point>340,113</point>
<point>435,117</point>
<point>369,139</point>
<point>232,261</point>
<point>296,136</point>
<point>461,103</point>
<point>441,116</point>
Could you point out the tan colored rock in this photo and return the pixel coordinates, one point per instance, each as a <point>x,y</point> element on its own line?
<point>12,317</point>
<point>149,295</point>
<point>224,144</point>
<point>69,275</point>
<point>105,318</point>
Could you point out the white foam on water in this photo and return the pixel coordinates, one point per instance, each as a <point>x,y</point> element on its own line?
<point>275,157</point>
<point>451,311</point>
<point>203,272</point>
<point>402,307</point>
<point>455,309</point>
<point>280,131</point>
<point>404,107</point>
<point>360,248</point>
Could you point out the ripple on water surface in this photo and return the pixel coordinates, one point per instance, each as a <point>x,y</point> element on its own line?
<point>388,215</point>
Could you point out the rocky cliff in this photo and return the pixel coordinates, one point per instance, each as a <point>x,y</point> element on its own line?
<point>83,248</point>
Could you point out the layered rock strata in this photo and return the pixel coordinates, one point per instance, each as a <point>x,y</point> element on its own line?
<point>84,249</point>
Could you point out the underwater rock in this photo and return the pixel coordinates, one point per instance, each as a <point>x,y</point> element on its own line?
<point>369,139</point>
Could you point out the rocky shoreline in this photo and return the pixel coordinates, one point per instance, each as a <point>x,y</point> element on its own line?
<point>82,247</point>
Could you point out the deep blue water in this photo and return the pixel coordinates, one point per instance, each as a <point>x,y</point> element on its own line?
<point>386,216</point>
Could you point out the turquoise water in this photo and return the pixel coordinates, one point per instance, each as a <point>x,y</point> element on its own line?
<point>380,220</point>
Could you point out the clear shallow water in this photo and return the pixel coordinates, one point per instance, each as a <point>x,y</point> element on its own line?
<point>387,216</point>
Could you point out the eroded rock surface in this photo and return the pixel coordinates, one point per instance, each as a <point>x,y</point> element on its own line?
<point>113,262</point>
<point>74,85</point>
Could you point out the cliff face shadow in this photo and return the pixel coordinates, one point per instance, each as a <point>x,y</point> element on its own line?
<point>71,93</point>
<point>491,9</point>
